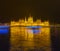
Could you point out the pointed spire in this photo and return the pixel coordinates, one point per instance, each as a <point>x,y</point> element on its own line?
<point>25,20</point>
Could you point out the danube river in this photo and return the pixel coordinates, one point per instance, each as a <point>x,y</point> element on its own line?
<point>30,38</point>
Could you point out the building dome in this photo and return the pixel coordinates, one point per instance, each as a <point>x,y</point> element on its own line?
<point>30,19</point>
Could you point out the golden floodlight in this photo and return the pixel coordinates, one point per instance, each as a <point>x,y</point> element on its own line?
<point>27,33</point>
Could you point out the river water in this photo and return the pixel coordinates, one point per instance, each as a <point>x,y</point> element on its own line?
<point>30,39</point>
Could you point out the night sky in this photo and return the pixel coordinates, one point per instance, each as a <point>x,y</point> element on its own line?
<point>39,9</point>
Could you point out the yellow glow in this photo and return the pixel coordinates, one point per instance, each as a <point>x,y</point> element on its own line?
<point>27,33</point>
<point>30,23</point>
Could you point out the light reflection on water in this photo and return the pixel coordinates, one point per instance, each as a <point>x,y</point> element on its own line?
<point>25,39</point>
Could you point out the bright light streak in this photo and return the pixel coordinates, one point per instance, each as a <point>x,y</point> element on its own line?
<point>4,30</point>
<point>34,27</point>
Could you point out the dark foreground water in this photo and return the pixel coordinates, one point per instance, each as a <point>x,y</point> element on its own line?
<point>27,39</point>
<point>4,38</point>
<point>55,38</point>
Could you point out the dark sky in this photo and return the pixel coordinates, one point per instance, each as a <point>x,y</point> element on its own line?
<point>44,9</point>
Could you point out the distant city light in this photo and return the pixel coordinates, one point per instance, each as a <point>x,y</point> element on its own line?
<point>4,30</point>
<point>3,27</point>
<point>33,29</point>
